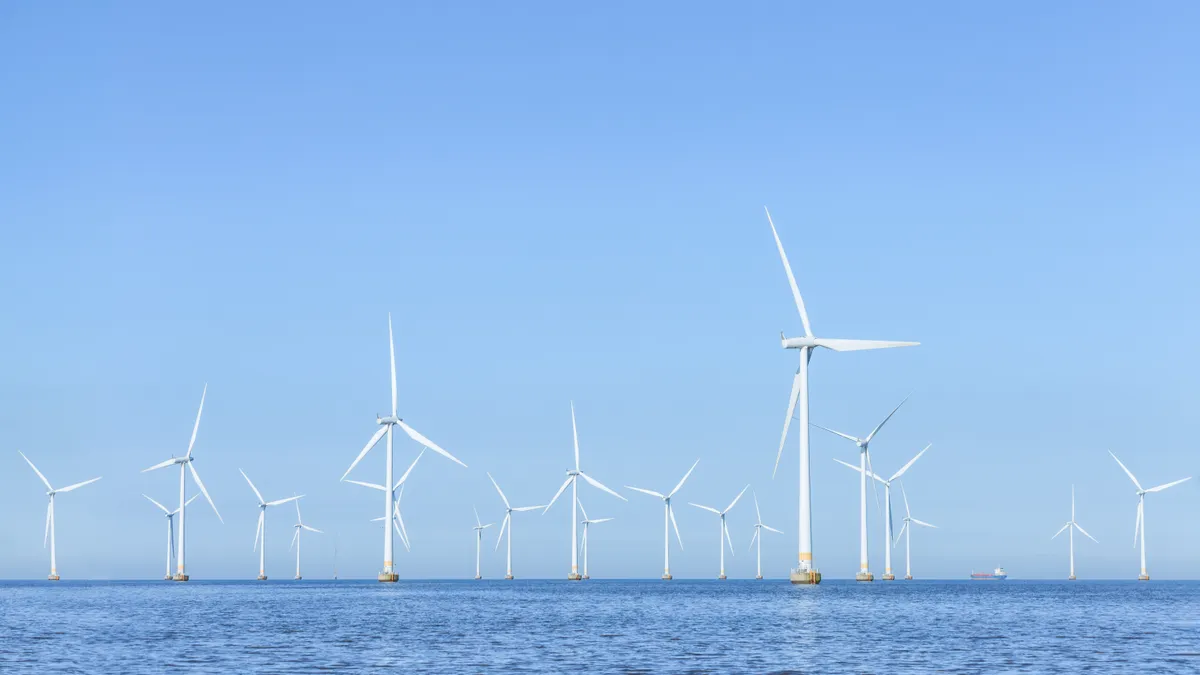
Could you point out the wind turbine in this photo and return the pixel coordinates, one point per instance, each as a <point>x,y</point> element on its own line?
<point>724,534</point>
<point>50,493</point>
<point>398,521</point>
<point>1140,524</point>
<point>260,534</point>
<point>668,514</point>
<point>758,527</point>
<point>887,489</point>
<point>479,528</point>
<point>507,524</point>
<point>170,531</point>
<point>388,574</point>
<point>573,480</point>
<point>806,572</point>
<point>1071,526</point>
<point>864,464</point>
<point>583,545</point>
<point>909,522</point>
<point>186,462</point>
<point>296,537</point>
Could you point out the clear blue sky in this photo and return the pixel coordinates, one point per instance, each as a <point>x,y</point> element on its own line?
<point>558,202</point>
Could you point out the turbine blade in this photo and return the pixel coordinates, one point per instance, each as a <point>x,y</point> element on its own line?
<point>392,355</point>
<point>1084,532</point>
<point>900,534</point>
<point>256,492</point>
<point>506,504</point>
<point>366,448</point>
<point>478,522</point>
<point>78,485</point>
<point>204,491</point>
<point>839,345</point>
<point>838,433</point>
<point>905,495</point>
<point>600,520</point>
<point>39,473</point>
<point>49,512</point>
<point>757,512</point>
<point>671,512</point>
<point>874,488</point>
<point>791,278</point>
<point>258,530</point>
<point>751,546</point>
<point>416,436</point>
<point>403,532</point>
<point>1137,524</point>
<point>409,470</point>
<point>583,510</point>
<point>922,523</point>
<point>652,493</point>
<point>197,425</point>
<point>277,502</point>
<point>885,420</point>
<point>160,465</point>
<point>728,539</point>
<point>1127,471</point>
<point>910,463</point>
<point>560,491</point>
<point>373,486</point>
<point>706,508</point>
<point>312,529</point>
<point>596,484</point>
<point>787,421</point>
<point>503,527</point>
<point>575,435</point>
<point>1064,529</point>
<point>769,528</point>
<point>294,538</point>
<point>1153,489</point>
<point>530,508</point>
<point>735,499</point>
<point>685,477</point>
<point>847,464</point>
<point>164,509</point>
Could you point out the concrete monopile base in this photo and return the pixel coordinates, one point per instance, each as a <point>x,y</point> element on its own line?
<point>721,578</point>
<point>806,577</point>
<point>1143,577</point>
<point>908,577</point>
<point>508,577</point>
<point>180,577</point>
<point>52,577</point>
<point>167,578</point>
<point>477,577</point>
<point>888,577</point>
<point>262,577</point>
<point>667,577</point>
<point>586,577</point>
<point>297,577</point>
<point>389,577</point>
<point>759,577</point>
<point>1071,578</point>
<point>573,577</point>
<point>864,576</point>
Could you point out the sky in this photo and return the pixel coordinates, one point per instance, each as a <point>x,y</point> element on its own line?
<point>564,203</point>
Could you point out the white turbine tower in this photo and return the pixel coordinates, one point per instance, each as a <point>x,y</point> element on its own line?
<point>724,534</point>
<point>479,528</point>
<point>1071,526</point>
<point>887,523</point>
<point>506,524</point>
<point>1140,524</point>
<point>758,527</point>
<point>909,522</point>
<point>806,572</point>
<point>864,467</point>
<point>260,534</point>
<point>185,465</point>
<point>573,480</point>
<point>583,544</point>
<point>170,531</point>
<point>296,537</point>
<point>50,493</point>
<point>668,514</point>
<point>388,574</point>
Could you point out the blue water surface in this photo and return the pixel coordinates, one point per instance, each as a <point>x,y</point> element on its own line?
<point>599,627</point>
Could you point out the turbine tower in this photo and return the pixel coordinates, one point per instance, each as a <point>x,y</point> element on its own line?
<point>479,528</point>
<point>1140,524</point>
<point>909,521</point>
<point>806,572</point>
<point>260,534</point>
<point>170,531</point>
<point>296,538</point>
<point>506,524</point>
<point>758,527</point>
<point>388,574</point>
<point>583,544</point>
<point>724,534</point>
<point>397,521</point>
<point>668,514</point>
<point>1071,526</point>
<point>573,480</point>
<point>887,523</point>
<point>50,493</point>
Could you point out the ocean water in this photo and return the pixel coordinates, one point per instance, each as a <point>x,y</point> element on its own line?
<point>599,627</point>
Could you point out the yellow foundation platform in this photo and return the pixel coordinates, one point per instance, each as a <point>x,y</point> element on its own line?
<point>805,577</point>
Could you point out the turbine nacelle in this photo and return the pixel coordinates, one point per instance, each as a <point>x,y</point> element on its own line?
<point>797,342</point>
<point>390,419</point>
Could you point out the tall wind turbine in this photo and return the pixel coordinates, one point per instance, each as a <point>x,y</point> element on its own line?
<point>1071,526</point>
<point>758,527</point>
<point>388,574</point>
<point>583,545</point>
<point>50,493</point>
<point>1140,524</point>
<point>887,524</point>
<point>864,467</point>
<point>479,528</point>
<point>806,572</point>
<point>909,522</point>
<point>296,537</point>
<point>186,462</point>
<point>170,531</point>
<point>573,480</point>
<point>668,514</point>
<point>724,534</point>
<point>260,534</point>
<point>506,524</point>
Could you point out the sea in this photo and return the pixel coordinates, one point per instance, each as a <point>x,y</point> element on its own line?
<point>599,626</point>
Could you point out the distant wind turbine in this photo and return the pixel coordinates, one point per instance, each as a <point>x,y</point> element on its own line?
<point>479,528</point>
<point>296,538</point>
<point>909,522</point>
<point>668,515</point>
<point>1140,523</point>
<point>260,533</point>
<point>1071,526</point>
<point>724,534</point>
<point>170,531</point>
<point>50,493</point>
<point>583,545</point>
<point>506,524</point>
<point>758,527</point>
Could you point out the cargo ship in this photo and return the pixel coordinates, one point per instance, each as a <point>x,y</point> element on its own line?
<point>998,575</point>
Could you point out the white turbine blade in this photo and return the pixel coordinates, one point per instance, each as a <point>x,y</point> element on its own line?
<point>46,537</point>
<point>164,509</point>
<point>1084,532</point>
<point>791,278</point>
<point>403,539</point>
<point>409,470</point>
<point>258,529</point>
<point>787,421</point>
<point>838,433</point>
<point>671,512</point>
<point>652,493</point>
<point>1064,529</point>
<point>39,473</point>
<point>378,520</point>
<point>503,527</point>
<point>685,477</point>
<point>922,523</point>
<point>560,491</point>
<point>600,520</point>
<point>583,510</point>
<point>885,420</point>
<point>596,484</point>
<point>706,508</point>
<point>1153,489</point>
<point>373,486</point>
<point>294,538</point>
<point>79,485</point>
<point>478,522</point>
<point>771,529</point>
<point>160,465</point>
<point>839,345</point>
<point>752,538</point>
<point>757,512</point>
<point>847,465</point>
<point>416,436</point>
<point>204,491</point>
<point>531,508</point>
<point>277,502</point>
<point>1127,471</point>
<point>910,463</point>
<point>728,539</point>
<point>256,492</point>
<point>197,425</point>
<point>484,527</point>
<point>298,518</point>
<point>366,448</point>
<point>403,532</point>
<point>506,504</point>
<point>187,503</point>
<point>900,534</point>
<point>905,496</point>
<point>392,354</point>
<point>575,435</point>
<point>735,499</point>
<point>874,488</point>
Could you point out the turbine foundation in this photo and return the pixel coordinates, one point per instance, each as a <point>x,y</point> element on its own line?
<point>667,577</point>
<point>1071,578</point>
<point>888,577</point>
<point>52,577</point>
<point>167,578</point>
<point>297,577</point>
<point>389,577</point>
<point>908,577</point>
<point>179,576</point>
<point>806,577</point>
<point>586,577</point>
<point>477,577</point>
<point>262,577</point>
<point>721,578</point>
<point>508,577</point>
<point>864,576</point>
<point>573,576</point>
<point>759,577</point>
<point>1143,577</point>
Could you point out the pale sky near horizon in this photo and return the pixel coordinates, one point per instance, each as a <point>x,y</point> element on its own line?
<point>562,203</point>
